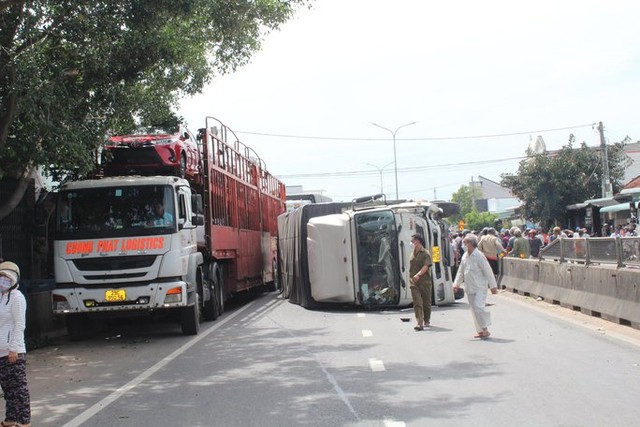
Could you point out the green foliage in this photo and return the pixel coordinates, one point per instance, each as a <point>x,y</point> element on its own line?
<point>546,183</point>
<point>72,71</point>
<point>475,220</point>
<point>465,197</point>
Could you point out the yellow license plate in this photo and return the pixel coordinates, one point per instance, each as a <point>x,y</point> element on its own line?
<point>435,254</point>
<point>114,295</point>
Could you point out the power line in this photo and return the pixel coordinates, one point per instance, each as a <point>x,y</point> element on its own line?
<point>442,138</point>
<point>406,193</point>
<point>403,170</point>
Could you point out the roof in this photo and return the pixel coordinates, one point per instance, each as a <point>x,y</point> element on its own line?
<point>632,172</point>
<point>634,183</point>
<point>491,189</point>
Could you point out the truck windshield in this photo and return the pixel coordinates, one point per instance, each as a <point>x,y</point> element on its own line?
<point>378,268</point>
<point>115,211</point>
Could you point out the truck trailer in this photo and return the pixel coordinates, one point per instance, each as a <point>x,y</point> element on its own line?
<point>358,253</point>
<point>136,244</point>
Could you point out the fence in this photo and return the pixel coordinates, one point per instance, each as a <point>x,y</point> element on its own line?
<point>621,251</point>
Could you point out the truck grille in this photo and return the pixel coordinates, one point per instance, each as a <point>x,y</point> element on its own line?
<point>114,263</point>
<point>116,276</point>
<point>135,156</point>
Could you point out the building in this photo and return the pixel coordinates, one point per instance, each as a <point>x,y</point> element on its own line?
<point>494,198</point>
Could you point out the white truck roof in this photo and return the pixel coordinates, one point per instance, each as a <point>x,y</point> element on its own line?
<point>125,181</point>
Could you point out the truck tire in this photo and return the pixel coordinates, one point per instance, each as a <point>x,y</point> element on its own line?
<point>219,291</point>
<point>190,318</point>
<point>210,309</point>
<point>77,327</point>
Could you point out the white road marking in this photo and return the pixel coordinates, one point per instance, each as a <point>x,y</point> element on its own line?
<point>361,315</point>
<point>367,333</point>
<point>93,410</point>
<point>392,423</point>
<point>376,365</point>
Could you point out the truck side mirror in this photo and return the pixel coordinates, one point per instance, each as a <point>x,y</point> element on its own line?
<point>196,204</point>
<point>197,219</point>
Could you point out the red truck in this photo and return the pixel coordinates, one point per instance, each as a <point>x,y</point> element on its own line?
<point>167,244</point>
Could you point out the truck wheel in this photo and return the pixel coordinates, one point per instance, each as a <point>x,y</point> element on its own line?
<point>220,293</point>
<point>210,308</point>
<point>77,327</point>
<point>190,318</point>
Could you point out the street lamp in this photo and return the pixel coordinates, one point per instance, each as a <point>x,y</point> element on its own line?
<point>394,148</point>
<point>380,170</point>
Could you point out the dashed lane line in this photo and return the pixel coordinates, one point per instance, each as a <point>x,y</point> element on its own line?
<point>376,365</point>
<point>393,423</point>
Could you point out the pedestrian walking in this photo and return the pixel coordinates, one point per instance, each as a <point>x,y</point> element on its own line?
<point>420,282</point>
<point>13,373</point>
<point>476,276</point>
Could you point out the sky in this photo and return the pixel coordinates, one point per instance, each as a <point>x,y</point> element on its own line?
<point>479,79</point>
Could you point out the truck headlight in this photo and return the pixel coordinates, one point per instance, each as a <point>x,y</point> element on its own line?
<point>173,295</point>
<point>60,303</point>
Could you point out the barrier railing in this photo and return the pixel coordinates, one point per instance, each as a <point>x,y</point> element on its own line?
<point>622,251</point>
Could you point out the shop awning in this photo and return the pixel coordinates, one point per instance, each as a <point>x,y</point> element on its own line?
<point>602,202</point>
<point>615,208</point>
<point>576,206</point>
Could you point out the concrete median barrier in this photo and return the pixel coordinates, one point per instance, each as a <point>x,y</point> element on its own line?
<point>599,290</point>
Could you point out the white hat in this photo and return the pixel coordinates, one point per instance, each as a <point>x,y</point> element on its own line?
<point>10,270</point>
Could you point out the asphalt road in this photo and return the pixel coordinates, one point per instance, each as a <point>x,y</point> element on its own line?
<point>271,363</point>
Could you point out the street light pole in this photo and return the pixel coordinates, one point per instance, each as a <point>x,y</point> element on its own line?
<point>395,160</point>
<point>380,170</point>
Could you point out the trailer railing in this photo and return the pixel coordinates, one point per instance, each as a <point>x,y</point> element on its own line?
<point>622,251</point>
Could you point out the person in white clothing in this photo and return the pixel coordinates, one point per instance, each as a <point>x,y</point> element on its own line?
<point>476,275</point>
<point>13,372</point>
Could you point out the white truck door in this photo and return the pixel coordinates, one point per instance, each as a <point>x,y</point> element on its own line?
<point>330,259</point>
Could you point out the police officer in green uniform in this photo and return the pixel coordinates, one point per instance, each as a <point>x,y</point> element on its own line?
<point>420,282</point>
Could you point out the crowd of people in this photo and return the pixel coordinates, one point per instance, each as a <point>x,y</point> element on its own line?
<point>476,257</point>
<point>525,243</point>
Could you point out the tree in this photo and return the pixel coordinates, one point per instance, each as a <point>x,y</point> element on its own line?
<point>475,220</point>
<point>546,183</point>
<point>465,197</point>
<point>72,71</point>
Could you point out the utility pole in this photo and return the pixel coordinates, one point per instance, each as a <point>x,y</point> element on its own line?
<point>473,194</point>
<point>607,191</point>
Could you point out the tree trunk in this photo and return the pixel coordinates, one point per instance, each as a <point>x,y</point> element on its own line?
<point>18,193</point>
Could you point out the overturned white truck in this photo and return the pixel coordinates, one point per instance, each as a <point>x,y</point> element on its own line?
<point>358,253</point>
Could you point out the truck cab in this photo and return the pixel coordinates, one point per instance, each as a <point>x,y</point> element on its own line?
<point>126,244</point>
<point>362,257</point>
